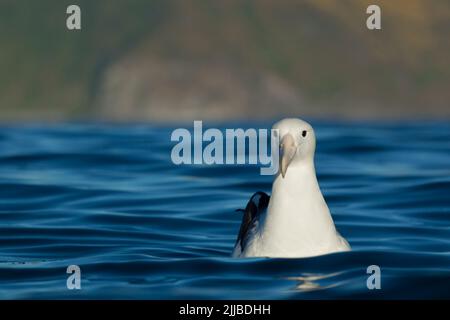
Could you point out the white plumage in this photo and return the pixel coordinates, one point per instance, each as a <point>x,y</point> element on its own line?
<point>295,221</point>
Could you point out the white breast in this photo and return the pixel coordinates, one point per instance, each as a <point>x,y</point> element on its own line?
<point>298,222</point>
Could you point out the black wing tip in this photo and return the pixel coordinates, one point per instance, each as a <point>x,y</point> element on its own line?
<point>257,203</point>
<point>262,201</point>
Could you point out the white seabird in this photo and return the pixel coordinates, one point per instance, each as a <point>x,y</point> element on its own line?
<point>295,221</point>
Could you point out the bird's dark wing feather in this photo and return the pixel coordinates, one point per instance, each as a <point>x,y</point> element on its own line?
<point>256,205</point>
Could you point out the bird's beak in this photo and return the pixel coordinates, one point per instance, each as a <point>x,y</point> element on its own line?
<point>287,152</point>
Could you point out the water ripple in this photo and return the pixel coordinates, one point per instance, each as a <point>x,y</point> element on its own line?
<point>108,198</point>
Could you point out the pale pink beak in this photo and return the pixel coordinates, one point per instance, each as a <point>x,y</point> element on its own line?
<point>287,152</point>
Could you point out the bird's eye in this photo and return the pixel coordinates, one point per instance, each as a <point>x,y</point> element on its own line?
<point>304,133</point>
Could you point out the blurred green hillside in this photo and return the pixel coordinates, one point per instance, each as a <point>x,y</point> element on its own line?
<point>180,60</point>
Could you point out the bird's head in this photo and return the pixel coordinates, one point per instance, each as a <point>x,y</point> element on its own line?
<point>297,143</point>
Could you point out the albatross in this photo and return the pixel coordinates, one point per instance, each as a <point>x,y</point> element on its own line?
<point>295,220</point>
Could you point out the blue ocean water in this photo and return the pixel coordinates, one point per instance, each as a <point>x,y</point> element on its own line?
<point>109,199</point>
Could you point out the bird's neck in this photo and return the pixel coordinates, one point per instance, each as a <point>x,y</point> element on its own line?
<point>299,181</point>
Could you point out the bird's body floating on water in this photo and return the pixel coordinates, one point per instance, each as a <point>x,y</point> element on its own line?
<point>295,221</point>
